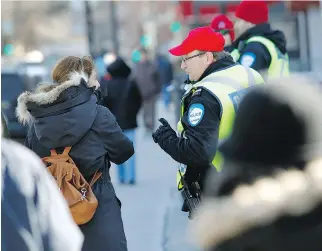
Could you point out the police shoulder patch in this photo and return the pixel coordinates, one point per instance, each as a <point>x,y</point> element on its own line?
<point>195,114</point>
<point>248,59</point>
<point>196,93</point>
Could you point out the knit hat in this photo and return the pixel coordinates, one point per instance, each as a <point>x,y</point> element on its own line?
<point>255,12</point>
<point>222,23</point>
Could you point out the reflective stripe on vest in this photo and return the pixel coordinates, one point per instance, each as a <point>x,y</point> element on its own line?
<point>229,92</point>
<point>279,66</point>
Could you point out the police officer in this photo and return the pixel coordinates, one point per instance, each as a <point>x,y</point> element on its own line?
<point>257,45</point>
<point>208,105</point>
<point>222,24</point>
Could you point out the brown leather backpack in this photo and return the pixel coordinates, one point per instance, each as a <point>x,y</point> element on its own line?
<point>76,190</point>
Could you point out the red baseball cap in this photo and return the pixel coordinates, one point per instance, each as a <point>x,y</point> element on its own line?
<point>223,23</point>
<point>255,12</point>
<point>202,39</point>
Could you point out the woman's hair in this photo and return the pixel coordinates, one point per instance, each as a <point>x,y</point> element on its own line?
<point>67,65</point>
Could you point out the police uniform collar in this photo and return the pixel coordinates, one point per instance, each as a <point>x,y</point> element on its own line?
<point>257,30</point>
<point>217,66</point>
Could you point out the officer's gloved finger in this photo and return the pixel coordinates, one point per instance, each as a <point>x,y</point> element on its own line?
<point>155,137</point>
<point>163,121</point>
<point>159,130</point>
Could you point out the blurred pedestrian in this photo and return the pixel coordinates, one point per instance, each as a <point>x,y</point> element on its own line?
<point>66,113</point>
<point>257,45</point>
<point>208,106</point>
<point>148,80</point>
<point>166,76</point>
<point>276,127</point>
<point>100,65</point>
<point>268,195</point>
<point>275,213</point>
<point>221,23</point>
<point>122,96</point>
<point>34,214</point>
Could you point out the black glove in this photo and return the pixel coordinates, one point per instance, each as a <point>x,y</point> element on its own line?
<point>163,132</point>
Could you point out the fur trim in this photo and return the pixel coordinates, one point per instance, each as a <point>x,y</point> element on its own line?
<point>290,192</point>
<point>45,94</point>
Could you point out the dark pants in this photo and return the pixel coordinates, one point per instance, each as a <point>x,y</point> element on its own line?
<point>149,113</point>
<point>166,95</point>
<point>105,231</point>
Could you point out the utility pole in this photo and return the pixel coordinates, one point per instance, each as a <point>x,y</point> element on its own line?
<point>114,26</point>
<point>195,9</point>
<point>89,28</point>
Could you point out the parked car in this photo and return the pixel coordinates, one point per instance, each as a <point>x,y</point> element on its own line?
<point>12,85</point>
<point>33,74</point>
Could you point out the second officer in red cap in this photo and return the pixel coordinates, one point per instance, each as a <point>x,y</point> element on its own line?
<point>208,106</point>
<point>257,45</point>
<point>222,24</point>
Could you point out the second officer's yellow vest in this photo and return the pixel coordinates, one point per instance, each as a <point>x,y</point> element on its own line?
<point>279,66</point>
<point>228,86</point>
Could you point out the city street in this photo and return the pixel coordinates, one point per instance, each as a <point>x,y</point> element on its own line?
<point>151,209</point>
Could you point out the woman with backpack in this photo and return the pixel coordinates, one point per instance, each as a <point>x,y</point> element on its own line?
<point>66,113</point>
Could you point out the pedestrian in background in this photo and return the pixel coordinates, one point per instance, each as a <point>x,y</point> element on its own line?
<point>221,23</point>
<point>122,96</point>
<point>147,77</point>
<point>165,70</point>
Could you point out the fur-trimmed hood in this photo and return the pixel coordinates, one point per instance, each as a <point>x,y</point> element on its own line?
<point>291,193</point>
<point>45,94</point>
<point>60,114</point>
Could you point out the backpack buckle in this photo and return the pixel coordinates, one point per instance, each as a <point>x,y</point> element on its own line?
<point>83,191</point>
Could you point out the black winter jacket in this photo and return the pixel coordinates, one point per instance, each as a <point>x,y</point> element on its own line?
<point>121,94</point>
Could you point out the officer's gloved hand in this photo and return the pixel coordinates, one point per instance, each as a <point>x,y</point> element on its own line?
<point>163,132</point>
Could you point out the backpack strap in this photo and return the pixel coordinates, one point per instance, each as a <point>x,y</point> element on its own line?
<point>53,152</point>
<point>96,176</point>
<point>66,151</point>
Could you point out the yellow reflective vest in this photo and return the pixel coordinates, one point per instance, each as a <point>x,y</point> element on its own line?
<point>279,66</point>
<point>228,86</point>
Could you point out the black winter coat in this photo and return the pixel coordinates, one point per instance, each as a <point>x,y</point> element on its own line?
<point>121,95</point>
<point>68,115</point>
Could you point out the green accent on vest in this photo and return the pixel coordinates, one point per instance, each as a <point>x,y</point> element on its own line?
<point>235,54</point>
